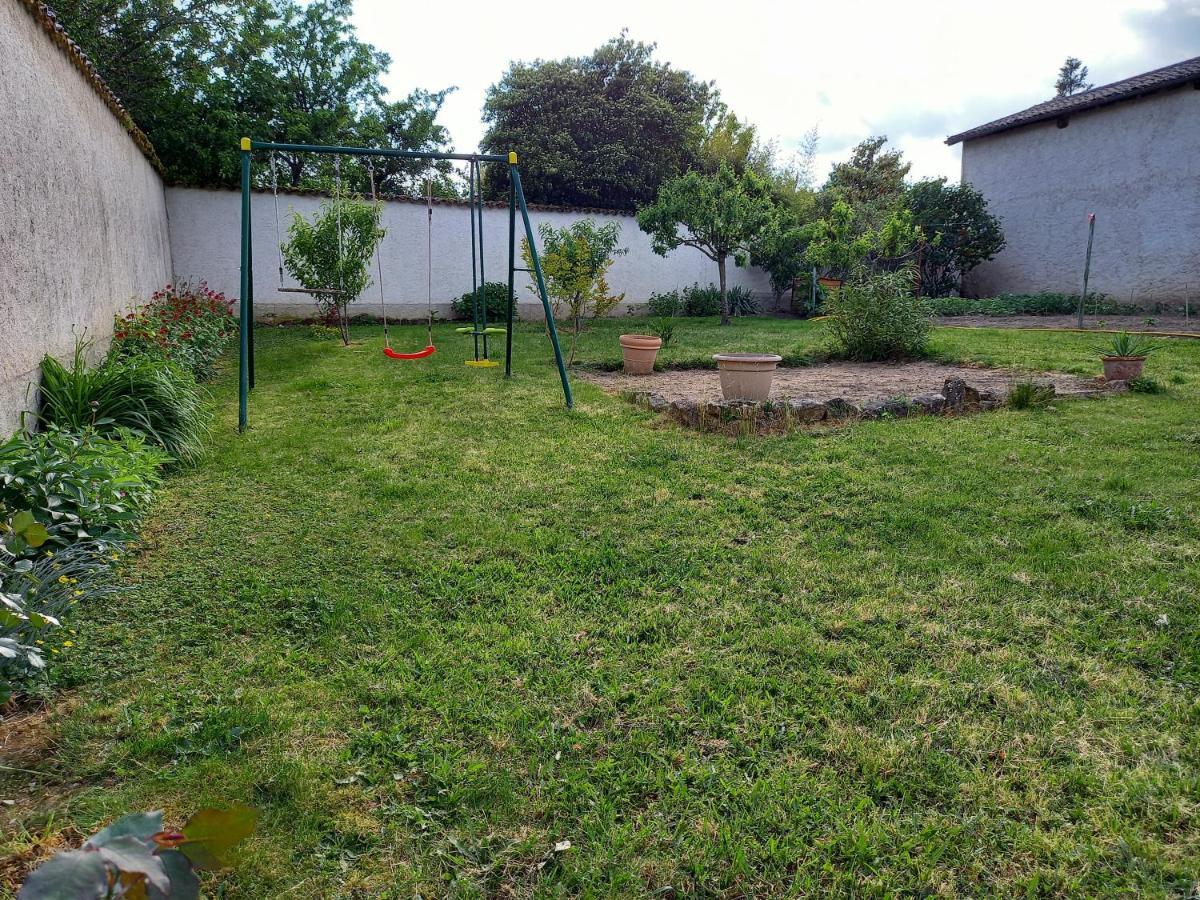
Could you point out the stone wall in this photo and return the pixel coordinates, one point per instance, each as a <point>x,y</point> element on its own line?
<point>83,219</point>
<point>1134,164</point>
<point>205,243</point>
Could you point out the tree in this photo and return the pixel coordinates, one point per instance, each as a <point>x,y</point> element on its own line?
<point>331,254</point>
<point>600,130</point>
<point>1072,78</point>
<point>962,232</point>
<point>871,181</point>
<point>197,75</point>
<point>721,215</point>
<point>575,262</point>
<point>834,244</point>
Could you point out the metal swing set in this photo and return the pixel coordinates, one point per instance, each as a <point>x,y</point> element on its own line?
<point>479,330</point>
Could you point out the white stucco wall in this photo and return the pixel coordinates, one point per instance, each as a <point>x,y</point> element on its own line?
<point>83,219</point>
<point>205,245</point>
<point>1135,164</point>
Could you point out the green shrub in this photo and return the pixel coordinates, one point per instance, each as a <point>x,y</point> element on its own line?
<point>494,295</point>
<point>1030,395</point>
<point>144,393</point>
<point>663,327</point>
<point>187,324</point>
<point>742,301</point>
<point>665,304</point>
<point>1146,385</point>
<point>702,301</point>
<point>877,316</point>
<point>80,486</point>
<point>1047,303</point>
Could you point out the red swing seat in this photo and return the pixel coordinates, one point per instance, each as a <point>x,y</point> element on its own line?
<point>420,354</point>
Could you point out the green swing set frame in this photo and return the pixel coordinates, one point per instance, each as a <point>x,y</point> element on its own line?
<point>516,203</point>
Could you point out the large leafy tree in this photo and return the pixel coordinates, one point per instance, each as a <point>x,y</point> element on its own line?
<point>601,130</point>
<point>721,215</point>
<point>962,232</point>
<point>196,75</point>
<point>871,181</point>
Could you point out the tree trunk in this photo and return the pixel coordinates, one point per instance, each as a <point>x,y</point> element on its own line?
<point>724,295</point>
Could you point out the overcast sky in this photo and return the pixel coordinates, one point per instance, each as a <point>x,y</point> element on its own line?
<point>913,71</point>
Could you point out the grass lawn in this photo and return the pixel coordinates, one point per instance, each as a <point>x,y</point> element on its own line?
<point>432,624</point>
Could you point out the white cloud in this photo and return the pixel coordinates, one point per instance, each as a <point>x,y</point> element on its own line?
<point>854,68</point>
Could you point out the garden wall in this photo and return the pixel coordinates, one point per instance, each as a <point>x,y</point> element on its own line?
<point>205,233</point>
<point>83,219</point>
<point>1134,164</point>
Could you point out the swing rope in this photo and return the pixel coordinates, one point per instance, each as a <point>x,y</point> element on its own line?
<point>429,348</point>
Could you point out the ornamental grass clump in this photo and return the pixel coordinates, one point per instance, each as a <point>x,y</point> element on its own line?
<point>148,394</point>
<point>878,316</point>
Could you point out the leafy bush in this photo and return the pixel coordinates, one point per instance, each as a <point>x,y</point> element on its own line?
<point>663,327</point>
<point>1144,384</point>
<point>143,858</point>
<point>494,294</point>
<point>80,486</point>
<point>664,304</point>
<point>877,316</point>
<point>702,301</point>
<point>742,301</point>
<point>190,325</point>
<point>330,255</point>
<point>145,393</point>
<point>1030,395</point>
<point>1047,303</point>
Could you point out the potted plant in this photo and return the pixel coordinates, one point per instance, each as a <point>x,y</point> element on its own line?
<point>747,376</point>
<point>638,352</point>
<point>1125,357</point>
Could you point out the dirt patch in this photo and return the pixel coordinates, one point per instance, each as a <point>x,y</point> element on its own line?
<point>860,383</point>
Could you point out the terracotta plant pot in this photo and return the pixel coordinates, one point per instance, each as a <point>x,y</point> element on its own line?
<point>746,376</point>
<point>1123,368</point>
<point>638,352</point>
<point>831,286</point>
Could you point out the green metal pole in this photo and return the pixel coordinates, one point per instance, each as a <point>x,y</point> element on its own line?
<point>250,284</point>
<point>474,269</point>
<point>243,293</point>
<point>541,283</point>
<point>512,264</point>
<point>482,277</point>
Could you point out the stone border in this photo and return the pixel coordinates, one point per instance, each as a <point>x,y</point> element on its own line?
<point>739,417</point>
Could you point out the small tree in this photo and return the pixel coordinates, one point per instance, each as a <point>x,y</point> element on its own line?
<point>575,262</point>
<point>721,215</point>
<point>833,245</point>
<point>963,232</point>
<point>336,269</point>
<point>1072,78</point>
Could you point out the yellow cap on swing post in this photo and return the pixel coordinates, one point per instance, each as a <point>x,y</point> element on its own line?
<point>245,145</point>
<point>512,157</point>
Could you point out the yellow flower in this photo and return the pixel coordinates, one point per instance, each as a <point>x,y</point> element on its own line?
<point>39,643</point>
<point>63,579</point>
<point>68,643</point>
<point>78,593</point>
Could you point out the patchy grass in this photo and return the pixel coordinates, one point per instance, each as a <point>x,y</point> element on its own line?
<point>432,624</point>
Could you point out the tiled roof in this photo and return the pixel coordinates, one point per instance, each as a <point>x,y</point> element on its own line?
<point>1147,82</point>
<point>45,17</point>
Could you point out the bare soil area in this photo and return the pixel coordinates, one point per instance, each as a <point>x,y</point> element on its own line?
<point>856,382</point>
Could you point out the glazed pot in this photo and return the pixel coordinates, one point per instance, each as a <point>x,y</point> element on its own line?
<point>746,376</point>
<point>1123,368</point>
<point>638,352</point>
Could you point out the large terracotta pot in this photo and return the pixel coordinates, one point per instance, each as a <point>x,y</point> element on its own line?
<point>746,376</point>
<point>1123,368</point>
<point>638,352</point>
<point>831,286</point>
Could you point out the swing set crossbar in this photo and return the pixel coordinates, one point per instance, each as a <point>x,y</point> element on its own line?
<point>517,208</point>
